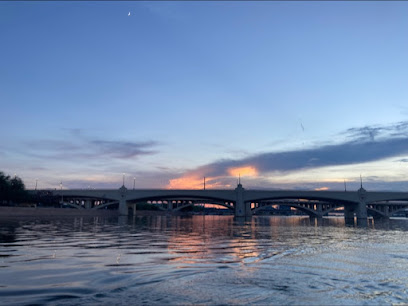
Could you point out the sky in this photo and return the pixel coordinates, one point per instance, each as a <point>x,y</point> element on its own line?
<point>286,95</point>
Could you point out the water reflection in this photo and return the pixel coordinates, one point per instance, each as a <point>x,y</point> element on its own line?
<point>202,260</point>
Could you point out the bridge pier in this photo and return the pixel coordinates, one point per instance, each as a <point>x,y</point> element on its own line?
<point>169,205</point>
<point>123,209</point>
<point>88,204</point>
<point>387,212</point>
<point>242,209</point>
<point>361,209</point>
<point>319,210</point>
<point>349,214</point>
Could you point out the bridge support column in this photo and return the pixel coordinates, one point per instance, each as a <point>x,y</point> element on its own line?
<point>123,209</point>
<point>88,204</point>
<point>349,214</point>
<point>248,211</point>
<point>361,209</point>
<point>361,214</point>
<point>169,205</point>
<point>387,211</point>
<point>319,210</point>
<point>240,207</point>
<point>134,209</point>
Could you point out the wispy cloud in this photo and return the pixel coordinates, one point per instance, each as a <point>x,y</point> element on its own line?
<point>124,149</point>
<point>371,133</point>
<point>78,146</point>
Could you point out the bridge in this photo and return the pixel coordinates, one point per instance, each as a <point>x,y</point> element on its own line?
<point>243,202</point>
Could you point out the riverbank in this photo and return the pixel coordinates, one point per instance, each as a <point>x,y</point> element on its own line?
<point>17,212</point>
<point>52,212</point>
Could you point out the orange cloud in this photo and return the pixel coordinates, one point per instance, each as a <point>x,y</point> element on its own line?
<point>243,171</point>
<point>322,189</point>
<point>194,182</point>
<point>187,182</point>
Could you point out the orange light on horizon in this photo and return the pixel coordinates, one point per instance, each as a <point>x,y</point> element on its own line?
<point>243,171</point>
<point>321,189</point>
<point>187,182</point>
<point>195,182</point>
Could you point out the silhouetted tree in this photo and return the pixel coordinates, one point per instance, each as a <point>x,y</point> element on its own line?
<point>12,190</point>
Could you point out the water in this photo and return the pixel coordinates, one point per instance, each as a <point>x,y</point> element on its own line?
<point>202,260</point>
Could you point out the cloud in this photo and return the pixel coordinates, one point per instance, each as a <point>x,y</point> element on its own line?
<point>107,180</point>
<point>124,149</point>
<point>77,146</point>
<point>366,144</point>
<point>399,129</point>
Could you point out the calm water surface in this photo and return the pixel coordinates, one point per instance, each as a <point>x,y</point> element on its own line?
<point>202,260</point>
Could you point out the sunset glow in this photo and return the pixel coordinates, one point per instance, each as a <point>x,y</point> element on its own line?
<point>193,182</point>
<point>243,171</point>
<point>188,182</point>
<point>321,188</point>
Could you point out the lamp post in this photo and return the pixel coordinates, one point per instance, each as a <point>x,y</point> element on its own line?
<point>62,197</point>
<point>36,181</point>
<point>123,184</point>
<point>134,183</point>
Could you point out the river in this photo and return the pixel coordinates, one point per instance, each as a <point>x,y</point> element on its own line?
<point>156,260</point>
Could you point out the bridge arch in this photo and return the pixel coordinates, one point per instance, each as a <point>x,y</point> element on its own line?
<point>66,198</point>
<point>312,205</point>
<point>184,197</point>
<point>176,196</point>
<point>72,205</point>
<point>302,196</point>
<point>308,211</point>
<point>398,210</point>
<point>104,205</point>
<point>204,202</point>
<point>376,212</point>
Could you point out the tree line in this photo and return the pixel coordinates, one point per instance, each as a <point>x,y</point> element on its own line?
<point>12,190</point>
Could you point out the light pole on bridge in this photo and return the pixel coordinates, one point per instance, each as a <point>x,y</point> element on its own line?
<point>62,197</point>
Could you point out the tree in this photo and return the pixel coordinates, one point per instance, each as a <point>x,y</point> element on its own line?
<point>12,190</point>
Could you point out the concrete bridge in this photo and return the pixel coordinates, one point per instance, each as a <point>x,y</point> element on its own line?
<point>244,202</point>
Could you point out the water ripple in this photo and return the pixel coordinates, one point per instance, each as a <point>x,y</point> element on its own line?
<point>202,260</point>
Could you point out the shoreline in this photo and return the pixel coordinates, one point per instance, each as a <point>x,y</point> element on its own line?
<point>28,212</point>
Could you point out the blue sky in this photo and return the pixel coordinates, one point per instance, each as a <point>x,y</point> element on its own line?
<point>291,94</point>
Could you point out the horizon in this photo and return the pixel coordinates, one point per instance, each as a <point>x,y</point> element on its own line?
<point>286,95</point>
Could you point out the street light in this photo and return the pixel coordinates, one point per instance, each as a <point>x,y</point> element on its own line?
<point>134,183</point>
<point>62,197</point>
<point>36,181</point>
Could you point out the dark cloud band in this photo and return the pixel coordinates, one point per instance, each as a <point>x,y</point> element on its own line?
<point>365,144</point>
